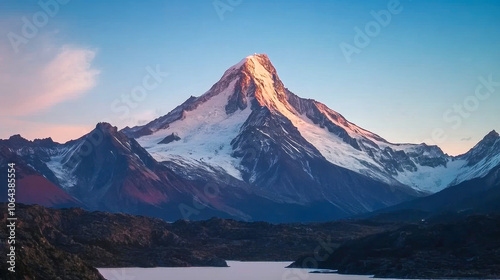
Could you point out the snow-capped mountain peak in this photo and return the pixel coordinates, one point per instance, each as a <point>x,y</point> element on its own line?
<point>487,150</point>
<point>255,80</point>
<point>260,147</point>
<point>203,131</point>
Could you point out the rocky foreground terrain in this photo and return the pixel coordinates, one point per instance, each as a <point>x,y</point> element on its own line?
<point>69,243</point>
<point>458,248</point>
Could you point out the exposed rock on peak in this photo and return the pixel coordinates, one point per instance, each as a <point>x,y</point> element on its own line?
<point>486,150</point>
<point>249,122</point>
<point>260,144</point>
<point>171,138</point>
<point>492,134</point>
<point>104,126</point>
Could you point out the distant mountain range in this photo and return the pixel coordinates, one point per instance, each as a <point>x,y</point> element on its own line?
<point>248,149</point>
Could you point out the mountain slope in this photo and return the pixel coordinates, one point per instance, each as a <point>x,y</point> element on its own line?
<point>479,195</point>
<point>31,186</point>
<point>246,148</point>
<point>244,126</point>
<point>105,170</point>
<point>206,124</point>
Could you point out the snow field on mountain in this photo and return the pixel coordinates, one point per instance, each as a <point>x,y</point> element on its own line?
<point>205,133</point>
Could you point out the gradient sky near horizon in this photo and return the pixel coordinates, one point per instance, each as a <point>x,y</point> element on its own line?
<point>405,84</point>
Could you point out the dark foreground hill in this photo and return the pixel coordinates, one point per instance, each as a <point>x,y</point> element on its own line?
<point>69,243</point>
<point>454,233</point>
<point>464,248</point>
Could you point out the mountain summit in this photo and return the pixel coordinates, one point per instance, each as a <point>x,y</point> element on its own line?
<point>256,77</point>
<point>252,88</point>
<point>250,126</point>
<point>249,148</point>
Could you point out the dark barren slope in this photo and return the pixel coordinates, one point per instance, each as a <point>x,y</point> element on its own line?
<point>464,248</point>
<point>460,236</point>
<point>69,243</point>
<point>85,239</point>
<point>478,196</point>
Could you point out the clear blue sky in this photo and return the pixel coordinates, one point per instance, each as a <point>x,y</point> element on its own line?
<point>427,59</point>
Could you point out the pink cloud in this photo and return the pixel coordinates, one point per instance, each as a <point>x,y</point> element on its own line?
<point>34,82</point>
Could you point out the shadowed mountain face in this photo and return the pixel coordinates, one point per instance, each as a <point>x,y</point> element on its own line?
<point>249,149</point>
<point>105,170</point>
<point>479,196</point>
<point>251,97</point>
<point>31,186</point>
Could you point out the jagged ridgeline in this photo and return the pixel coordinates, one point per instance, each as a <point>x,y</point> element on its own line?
<point>248,149</point>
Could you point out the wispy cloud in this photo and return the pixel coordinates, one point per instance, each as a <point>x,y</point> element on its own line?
<point>36,81</point>
<point>44,74</point>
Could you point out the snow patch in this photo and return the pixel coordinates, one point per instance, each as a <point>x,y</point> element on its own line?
<point>65,176</point>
